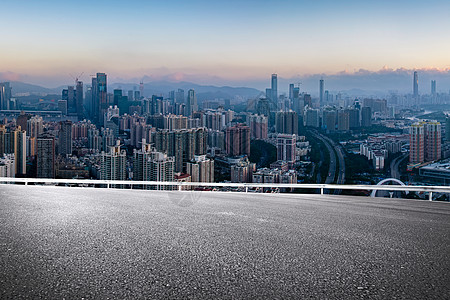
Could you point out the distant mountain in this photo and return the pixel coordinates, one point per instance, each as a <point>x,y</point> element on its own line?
<point>203,92</point>
<point>21,87</point>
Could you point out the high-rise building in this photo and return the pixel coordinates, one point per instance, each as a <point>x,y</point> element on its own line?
<point>425,142</point>
<point>321,92</point>
<point>65,138</point>
<point>15,142</point>
<point>329,120</point>
<point>191,104</point>
<point>150,165</point>
<point>432,141</point>
<point>433,87</point>
<point>238,140</point>
<point>343,120</point>
<point>7,165</point>
<point>366,116</point>
<point>286,122</point>
<point>62,106</point>
<point>416,85</point>
<point>286,145</point>
<point>258,126</point>
<point>201,169</point>
<point>416,143</point>
<point>274,89</point>
<point>5,95</point>
<point>79,100</point>
<point>311,118</point>
<point>447,129</point>
<point>45,157</point>
<point>99,97</point>
<point>113,164</point>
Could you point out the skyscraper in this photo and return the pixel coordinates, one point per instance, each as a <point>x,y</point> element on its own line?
<point>201,169</point>
<point>432,141</point>
<point>5,95</point>
<point>433,87</point>
<point>416,85</point>
<point>79,100</point>
<point>366,116</point>
<point>274,89</point>
<point>99,97</point>
<point>45,157</point>
<point>321,91</point>
<point>65,138</point>
<point>191,102</point>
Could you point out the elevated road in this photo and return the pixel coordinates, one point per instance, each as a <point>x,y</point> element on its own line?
<point>58,242</point>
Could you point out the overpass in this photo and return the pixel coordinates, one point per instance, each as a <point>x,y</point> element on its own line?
<point>74,242</point>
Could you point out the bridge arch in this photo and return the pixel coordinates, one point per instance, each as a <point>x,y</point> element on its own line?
<point>382,182</point>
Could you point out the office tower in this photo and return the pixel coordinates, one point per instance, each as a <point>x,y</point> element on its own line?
<point>274,89</point>
<point>433,87</point>
<point>238,140</point>
<point>269,95</point>
<point>62,107</point>
<point>5,95</point>
<point>141,88</point>
<point>179,96</point>
<point>117,95</point>
<point>307,100</point>
<point>329,120</point>
<point>191,104</point>
<point>432,141</point>
<point>321,92</point>
<point>99,97</point>
<point>366,117</point>
<point>79,99</point>
<point>113,164</point>
<point>286,145</point>
<point>130,96</point>
<point>22,120</point>
<point>297,101</point>
<point>286,122</point>
<point>65,138</point>
<point>416,143</point>
<point>137,95</point>
<point>201,169</point>
<point>69,95</point>
<point>45,156</point>
<point>311,118</point>
<point>327,96</point>
<point>291,92</point>
<point>416,85</point>
<point>258,126</point>
<point>343,120</point>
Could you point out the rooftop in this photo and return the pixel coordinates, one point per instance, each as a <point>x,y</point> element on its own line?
<point>97,243</point>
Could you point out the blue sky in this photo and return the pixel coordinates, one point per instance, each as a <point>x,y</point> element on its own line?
<point>233,40</point>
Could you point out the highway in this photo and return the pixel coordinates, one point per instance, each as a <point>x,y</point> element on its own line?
<point>76,243</point>
<point>332,168</point>
<point>394,167</point>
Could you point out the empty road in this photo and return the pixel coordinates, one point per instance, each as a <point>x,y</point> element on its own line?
<point>58,242</point>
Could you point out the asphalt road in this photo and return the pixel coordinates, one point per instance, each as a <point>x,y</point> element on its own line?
<point>394,167</point>
<point>332,167</point>
<point>95,243</point>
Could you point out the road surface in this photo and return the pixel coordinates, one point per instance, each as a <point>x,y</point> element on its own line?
<point>76,243</point>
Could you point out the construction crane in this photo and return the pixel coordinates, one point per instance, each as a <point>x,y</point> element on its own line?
<point>77,77</point>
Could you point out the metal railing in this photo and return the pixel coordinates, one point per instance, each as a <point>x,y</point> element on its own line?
<point>244,186</point>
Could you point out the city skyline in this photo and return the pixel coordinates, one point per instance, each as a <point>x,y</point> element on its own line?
<point>236,42</point>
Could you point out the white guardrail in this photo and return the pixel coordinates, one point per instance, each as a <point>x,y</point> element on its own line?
<point>245,186</point>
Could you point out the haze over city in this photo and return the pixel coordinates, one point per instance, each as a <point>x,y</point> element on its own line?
<point>233,43</point>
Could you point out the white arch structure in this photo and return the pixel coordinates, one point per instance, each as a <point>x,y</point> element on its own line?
<point>374,192</point>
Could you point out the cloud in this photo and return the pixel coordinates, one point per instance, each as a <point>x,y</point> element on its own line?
<point>9,76</point>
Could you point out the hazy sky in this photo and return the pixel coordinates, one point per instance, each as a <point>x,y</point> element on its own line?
<point>45,41</point>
